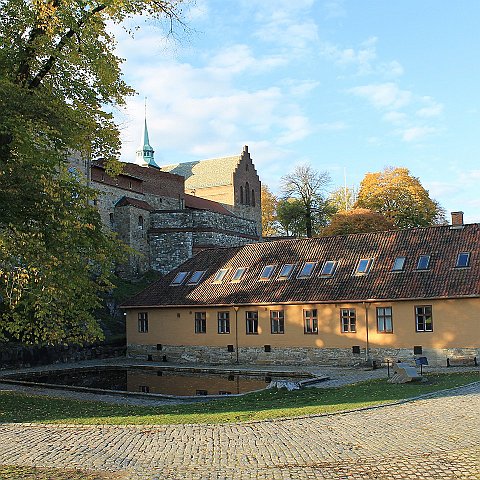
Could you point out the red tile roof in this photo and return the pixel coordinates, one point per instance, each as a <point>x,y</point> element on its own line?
<point>199,203</point>
<point>135,203</point>
<point>442,280</point>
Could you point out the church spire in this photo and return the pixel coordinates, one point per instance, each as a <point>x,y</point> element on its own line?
<point>145,150</point>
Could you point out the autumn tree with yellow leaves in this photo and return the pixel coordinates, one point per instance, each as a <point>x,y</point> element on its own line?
<point>400,197</point>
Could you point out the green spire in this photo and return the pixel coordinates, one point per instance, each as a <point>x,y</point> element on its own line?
<point>145,151</point>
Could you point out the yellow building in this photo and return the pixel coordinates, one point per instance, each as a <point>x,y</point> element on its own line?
<point>339,300</point>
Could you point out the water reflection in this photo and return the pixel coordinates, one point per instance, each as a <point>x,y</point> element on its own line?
<point>151,380</point>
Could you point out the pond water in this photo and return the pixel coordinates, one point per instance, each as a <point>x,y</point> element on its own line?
<point>152,380</point>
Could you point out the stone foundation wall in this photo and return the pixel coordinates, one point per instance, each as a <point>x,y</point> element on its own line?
<point>290,356</point>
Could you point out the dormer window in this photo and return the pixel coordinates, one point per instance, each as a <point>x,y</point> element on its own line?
<point>267,272</point>
<point>398,264</point>
<point>328,268</point>
<point>463,260</point>
<point>307,270</point>
<point>196,277</point>
<point>286,271</point>
<point>179,278</point>
<point>220,275</point>
<point>423,262</point>
<point>363,266</point>
<point>239,272</point>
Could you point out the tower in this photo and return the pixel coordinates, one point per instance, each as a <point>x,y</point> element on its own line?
<point>144,154</point>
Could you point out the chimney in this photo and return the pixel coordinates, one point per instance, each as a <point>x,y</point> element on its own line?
<point>457,219</point>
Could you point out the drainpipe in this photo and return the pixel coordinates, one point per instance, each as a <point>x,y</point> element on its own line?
<point>367,347</point>
<point>236,333</point>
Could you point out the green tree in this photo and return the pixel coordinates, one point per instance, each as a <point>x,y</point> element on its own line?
<point>357,220</point>
<point>269,212</point>
<point>291,217</point>
<point>400,197</point>
<point>58,72</point>
<point>308,186</point>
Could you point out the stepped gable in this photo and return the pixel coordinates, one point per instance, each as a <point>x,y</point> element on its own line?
<point>198,203</point>
<point>213,172</point>
<point>441,280</point>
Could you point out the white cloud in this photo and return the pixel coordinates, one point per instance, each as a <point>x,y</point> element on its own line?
<point>364,59</point>
<point>384,95</point>
<point>415,134</point>
<point>335,9</point>
<point>431,108</point>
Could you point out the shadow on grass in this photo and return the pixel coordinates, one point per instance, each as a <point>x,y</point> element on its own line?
<point>15,407</point>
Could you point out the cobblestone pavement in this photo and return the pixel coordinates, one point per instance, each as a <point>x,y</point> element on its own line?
<point>431,438</point>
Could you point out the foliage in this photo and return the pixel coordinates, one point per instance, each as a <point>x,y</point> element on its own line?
<point>291,217</point>
<point>254,406</point>
<point>400,197</point>
<point>58,69</point>
<point>343,198</point>
<point>357,220</point>
<point>269,213</point>
<point>307,186</point>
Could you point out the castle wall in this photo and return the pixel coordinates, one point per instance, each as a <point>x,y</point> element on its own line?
<point>175,235</point>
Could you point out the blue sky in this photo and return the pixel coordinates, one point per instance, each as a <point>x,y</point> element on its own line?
<point>345,85</point>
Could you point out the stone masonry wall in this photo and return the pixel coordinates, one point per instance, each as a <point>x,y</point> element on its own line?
<point>289,356</point>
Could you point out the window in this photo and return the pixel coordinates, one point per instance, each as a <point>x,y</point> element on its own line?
<point>463,260</point>
<point>348,320</point>
<point>286,271</point>
<point>247,194</point>
<point>144,388</point>
<point>384,320</point>
<point>143,322</point>
<point>112,220</point>
<point>237,276</point>
<point>220,275</point>
<point>310,321</point>
<point>223,322</point>
<point>306,270</point>
<point>179,278</point>
<point>200,322</point>
<point>251,322</point>
<point>196,277</point>
<point>423,318</point>
<point>398,264</point>
<point>328,268</point>
<point>241,194</point>
<point>267,272</point>
<point>423,262</point>
<point>253,197</point>
<point>364,266</point>
<point>140,222</point>
<point>277,321</point>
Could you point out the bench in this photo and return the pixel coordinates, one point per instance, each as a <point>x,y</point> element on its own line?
<point>462,362</point>
<point>404,373</point>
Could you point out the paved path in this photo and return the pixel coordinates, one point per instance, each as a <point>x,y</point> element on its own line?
<point>431,438</point>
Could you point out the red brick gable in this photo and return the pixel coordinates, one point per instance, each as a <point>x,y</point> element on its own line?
<point>441,280</point>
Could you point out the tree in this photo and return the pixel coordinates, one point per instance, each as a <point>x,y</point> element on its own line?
<point>291,217</point>
<point>269,212</point>
<point>307,186</point>
<point>58,73</point>
<point>400,197</point>
<point>357,220</point>
<point>343,198</point>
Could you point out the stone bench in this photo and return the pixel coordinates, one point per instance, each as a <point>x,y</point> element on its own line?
<point>462,362</point>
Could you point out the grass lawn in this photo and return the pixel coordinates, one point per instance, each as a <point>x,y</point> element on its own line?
<point>16,407</point>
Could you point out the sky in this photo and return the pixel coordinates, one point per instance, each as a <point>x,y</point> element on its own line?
<point>347,86</point>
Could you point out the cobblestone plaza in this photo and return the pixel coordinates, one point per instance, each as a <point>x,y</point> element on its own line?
<point>436,437</point>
